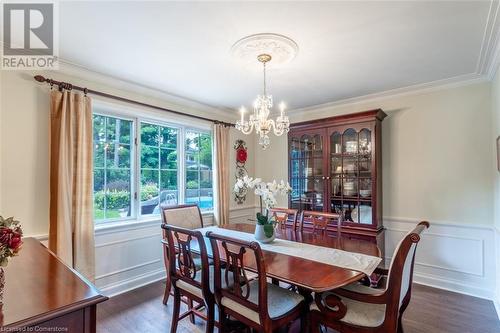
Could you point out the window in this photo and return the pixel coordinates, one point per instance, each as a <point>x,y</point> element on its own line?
<point>158,167</point>
<point>112,167</point>
<point>199,169</point>
<point>134,174</point>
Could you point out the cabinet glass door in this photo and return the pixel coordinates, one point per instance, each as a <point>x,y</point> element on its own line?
<point>306,172</point>
<point>351,174</point>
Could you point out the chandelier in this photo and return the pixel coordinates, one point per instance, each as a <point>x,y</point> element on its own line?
<point>261,109</point>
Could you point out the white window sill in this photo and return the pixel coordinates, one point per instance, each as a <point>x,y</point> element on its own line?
<point>116,226</point>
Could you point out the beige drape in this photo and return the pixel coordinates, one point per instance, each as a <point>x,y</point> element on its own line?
<point>71,230</point>
<point>221,154</point>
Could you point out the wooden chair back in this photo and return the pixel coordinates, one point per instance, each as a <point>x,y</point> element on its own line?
<point>182,265</point>
<point>184,216</point>
<point>400,275</point>
<point>321,221</point>
<point>282,215</point>
<point>233,254</point>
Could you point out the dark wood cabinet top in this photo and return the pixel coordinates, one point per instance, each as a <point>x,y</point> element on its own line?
<point>39,287</point>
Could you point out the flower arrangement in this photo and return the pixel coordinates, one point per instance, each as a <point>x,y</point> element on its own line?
<point>10,239</point>
<point>267,193</point>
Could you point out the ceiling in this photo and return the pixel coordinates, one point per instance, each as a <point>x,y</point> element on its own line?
<point>346,49</point>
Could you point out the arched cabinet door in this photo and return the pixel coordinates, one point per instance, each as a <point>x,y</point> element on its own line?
<point>351,177</point>
<point>307,170</point>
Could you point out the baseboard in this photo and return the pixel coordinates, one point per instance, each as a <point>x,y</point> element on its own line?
<point>497,307</point>
<point>133,283</point>
<point>453,286</point>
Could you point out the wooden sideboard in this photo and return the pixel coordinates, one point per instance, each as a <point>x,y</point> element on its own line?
<point>43,293</point>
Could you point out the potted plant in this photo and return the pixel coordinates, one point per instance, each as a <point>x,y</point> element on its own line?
<point>264,229</point>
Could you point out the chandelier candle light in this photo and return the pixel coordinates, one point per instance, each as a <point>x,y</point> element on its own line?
<point>261,109</point>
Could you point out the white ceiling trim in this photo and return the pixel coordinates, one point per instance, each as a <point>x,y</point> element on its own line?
<point>486,67</point>
<point>454,82</point>
<point>490,39</point>
<point>488,56</point>
<point>174,102</point>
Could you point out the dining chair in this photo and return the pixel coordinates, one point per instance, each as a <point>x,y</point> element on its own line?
<point>261,305</point>
<point>320,221</point>
<point>185,216</point>
<point>283,215</point>
<point>187,278</point>
<point>358,308</point>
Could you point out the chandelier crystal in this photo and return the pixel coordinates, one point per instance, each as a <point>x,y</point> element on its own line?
<point>261,109</point>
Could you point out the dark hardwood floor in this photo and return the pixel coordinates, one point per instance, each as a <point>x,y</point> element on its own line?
<point>430,311</point>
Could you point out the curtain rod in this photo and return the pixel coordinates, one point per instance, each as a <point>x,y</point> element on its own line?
<point>69,86</point>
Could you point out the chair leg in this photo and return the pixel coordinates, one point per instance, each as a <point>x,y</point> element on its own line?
<point>406,302</point>
<point>222,321</point>
<point>303,322</point>
<point>314,326</point>
<point>168,286</point>
<point>400,323</point>
<point>191,316</point>
<point>210,318</point>
<point>175,314</point>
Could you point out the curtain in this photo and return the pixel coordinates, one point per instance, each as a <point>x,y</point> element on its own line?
<point>71,229</point>
<point>221,162</point>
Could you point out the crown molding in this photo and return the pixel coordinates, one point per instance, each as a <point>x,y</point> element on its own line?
<point>170,100</point>
<point>428,87</point>
<point>487,63</point>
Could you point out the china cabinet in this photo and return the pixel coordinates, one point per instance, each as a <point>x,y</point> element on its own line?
<point>335,166</point>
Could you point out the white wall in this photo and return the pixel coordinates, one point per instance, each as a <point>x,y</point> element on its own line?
<point>495,93</point>
<point>24,170</point>
<point>436,160</point>
<point>437,154</point>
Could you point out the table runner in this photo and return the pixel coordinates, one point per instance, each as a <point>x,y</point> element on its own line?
<point>334,257</point>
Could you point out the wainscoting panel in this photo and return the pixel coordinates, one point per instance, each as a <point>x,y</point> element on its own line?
<point>130,256</point>
<point>451,256</point>
<point>243,214</point>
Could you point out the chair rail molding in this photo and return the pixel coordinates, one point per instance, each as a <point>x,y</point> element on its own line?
<point>453,256</point>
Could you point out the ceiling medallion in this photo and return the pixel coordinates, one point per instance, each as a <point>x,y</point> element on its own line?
<point>281,48</point>
<point>265,47</point>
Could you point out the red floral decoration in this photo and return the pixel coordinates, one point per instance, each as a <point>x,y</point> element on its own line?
<point>241,155</point>
<point>10,239</point>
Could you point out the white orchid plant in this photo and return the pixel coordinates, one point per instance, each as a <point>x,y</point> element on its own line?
<point>267,192</point>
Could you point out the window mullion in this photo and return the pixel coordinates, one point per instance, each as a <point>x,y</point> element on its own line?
<point>159,165</point>
<point>181,165</point>
<point>199,168</point>
<point>137,168</point>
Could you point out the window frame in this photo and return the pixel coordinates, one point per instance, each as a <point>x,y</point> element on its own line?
<point>138,116</point>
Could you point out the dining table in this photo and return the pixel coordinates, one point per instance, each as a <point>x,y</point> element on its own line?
<point>309,275</point>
